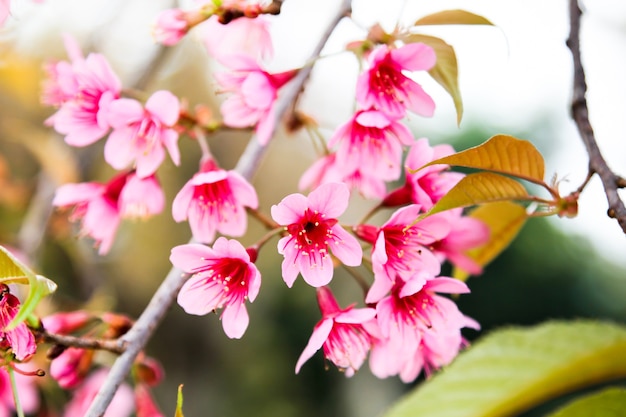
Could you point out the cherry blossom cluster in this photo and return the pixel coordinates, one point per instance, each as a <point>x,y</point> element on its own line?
<point>404,326</point>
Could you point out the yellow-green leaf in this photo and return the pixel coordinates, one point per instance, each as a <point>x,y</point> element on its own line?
<point>504,220</point>
<point>445,71</point>
<point>453,17</point>
<point>14,271</point>
<point>610,402</point>
<point>480,188</point>
<point>503,154</point>
<point>179,402</point>
<point>515,369</point>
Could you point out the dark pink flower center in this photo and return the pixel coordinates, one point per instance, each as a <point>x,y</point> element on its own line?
<point>403,247</point>
<point>413,309</point>
<point>387,79</point>
<point>231,274</point>
<point>312,233</point>
<point>216,199</point>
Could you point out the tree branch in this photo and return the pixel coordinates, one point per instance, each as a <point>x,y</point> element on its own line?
<point>580,113</point>
<point>115,346</point>
<point>137,337</point>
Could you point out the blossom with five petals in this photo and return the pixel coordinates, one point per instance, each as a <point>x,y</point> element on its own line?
<point>401,249</point>
<point>140,134</point>
<point>100,207</point>
<point>372,142</point>
<point>312,231</point>
<point>385,87</point>
<point>83,89</point>
<point>254,94</point>
<point>418,327</point>
<point>214,200</point>
<point>243,36</point>
<point>223,276</point>
<point>340,333</point>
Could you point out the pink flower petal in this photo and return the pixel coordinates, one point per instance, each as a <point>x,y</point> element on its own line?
<point>356,315</point>
<point>191,256</point>
<point>165,106</point>
<point>345,247</point>
<point>318,337</point>
<point>290,209</point>
<point>235,320</point>
<point>331,199</point>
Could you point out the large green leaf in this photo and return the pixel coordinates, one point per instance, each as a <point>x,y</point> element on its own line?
<point>480,188</point>
<point>14,271</point>
<point>453,17</point>
<point>445,71</point>
<point>503,154</point>
<point>610,402</point>
<point>515,369</point>
<point>504,219</point>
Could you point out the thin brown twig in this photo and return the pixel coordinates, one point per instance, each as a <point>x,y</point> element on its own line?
<point>580,113</point>
<point>138,336</point>
<point>115,346</point>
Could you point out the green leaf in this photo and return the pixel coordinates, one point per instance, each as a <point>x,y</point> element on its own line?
<point>503,154</point>
<point>514,369</point>
<point>453,17</point>
<point>445,71</point>
<point>610,402</point>
<point>13,271</point>
<point>179,402</point>
<point>504,219</point>
<point>480,188</point>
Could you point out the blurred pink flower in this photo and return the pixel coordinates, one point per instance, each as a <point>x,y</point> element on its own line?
<point>327,169</point>
<point>170,27</point>
<point>371,142</point>
<point>340,333</point>
<point>240,36</point>
<point>83,89</point>
<point>465,233</point>
<point>70,368</point>
<point>141,134</point>
<point>417,327</point>
<point>20,340</point>
<point>254,93</point>
<point>122,404</point>
<point>100,207</point>
<point>5,10</point>
<point>214,200</point>
<point>146,407</point>
<point>223,276</point>
<point>428,185</point>
<point>27,391</point>
<point>401,249</point>
<point>66,322</point>
<point>313,229</point>
<point>385,87</point>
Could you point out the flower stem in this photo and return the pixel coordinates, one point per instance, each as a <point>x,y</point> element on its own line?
<point>16,397</point>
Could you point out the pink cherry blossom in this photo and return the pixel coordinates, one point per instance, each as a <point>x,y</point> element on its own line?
<point>66,322</point>
<point>141,198</point>
<point>385,87</point>
<point>327,169</point>
<point>242,36</point>
<point>254,94</point>
<point>214,200</point>
<point>20,340</point>
<point>170,27</point>
<point>146,407</point>
<point>83,89</point>
<point>70,368</point>
<point>418,328</point>
<point>5,10</point>
<point>141,134</point>
<point>401,248</point>
<point>100,207</point>
<point>372,142</point>
<point>122,404</point>
<point>428,185</point>
<point>27,391</point>
<point>224,276</point>
<point>340,333</point>
<point>312,231</point>
<point>465,233</point>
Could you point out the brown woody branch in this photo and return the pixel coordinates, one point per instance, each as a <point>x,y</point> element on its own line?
<point>580,113</point>
<point>111,345</point>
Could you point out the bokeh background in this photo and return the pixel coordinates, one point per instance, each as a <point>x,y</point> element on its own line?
<point>515,79</point>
